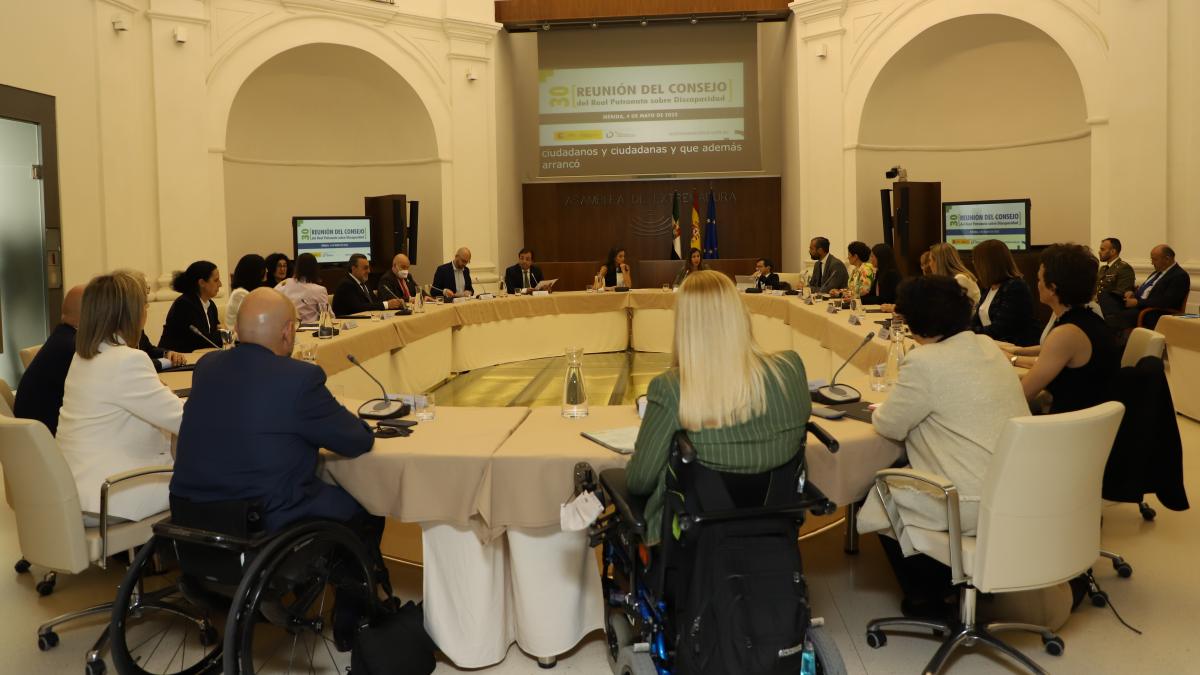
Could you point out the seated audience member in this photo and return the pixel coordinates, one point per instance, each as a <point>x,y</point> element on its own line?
<point>249,274</point>
<point>1006,312</point>
<point>524,274</point>
<point>744,410</point>
<point>279,269</point>
<point>40,394</point>
<point>353,296</point>
<point>1079,358</point>
<point>765,277</point>
<point>954,394</point>
<point>887,276</point>
<point>927,263</point>
<point>453,279</point>
<point>193,309</point>
<point>828,272</point>
<point>398,282</point>
<point>615,272</point>
<point>116,414</point>
<point>161,358</point>
<point>694,263</point>
<point>862,272</point>
<point>1115,277</point>
<point>944,260</point>
<point>305,291</point>
<point>1166,289</point>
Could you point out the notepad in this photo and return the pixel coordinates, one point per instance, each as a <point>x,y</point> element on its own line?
<point>620,440</point>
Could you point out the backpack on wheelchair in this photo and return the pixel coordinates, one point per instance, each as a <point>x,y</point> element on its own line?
<point>724,593</point>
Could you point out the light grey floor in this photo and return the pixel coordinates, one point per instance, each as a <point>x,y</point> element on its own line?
<point>1162,598</point>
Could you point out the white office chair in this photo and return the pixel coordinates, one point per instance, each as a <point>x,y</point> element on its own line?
<point>27,354</point>
<point>7,400</point>
<point>1143,342</point>
<point>50,522</point>
<point>1039,524</point>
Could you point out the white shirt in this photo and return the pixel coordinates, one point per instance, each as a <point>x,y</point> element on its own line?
<point>231,308</point>
<point>204,304</point>
<point>985,306</point>
<point>969,286</point>
<point>459,282</point>
<point>307,298</point>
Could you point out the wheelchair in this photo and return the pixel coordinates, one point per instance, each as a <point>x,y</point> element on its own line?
<point>641,625</point>
<point>212,592</point>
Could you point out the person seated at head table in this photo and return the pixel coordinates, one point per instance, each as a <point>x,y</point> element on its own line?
<point>954,394</point>
<point>828,272</point>
<point>944,260</point>
<point>255,422</point>
<point>116,415</point>
<point>1166,288</point>
<point>1079,358</point>
<point>1006,312</point>
<point>249,274</point>
<point>352,295</point>
<point>524,274</point>
<point>453,279</point>
<point>305,291</point>
<point>862,272</point>
<point>397,282</point>
<point>887,277</point>
<point>194,310</point>
<point>744,411</point>
<point>40,393</point>
<point>614,272</point>
<point>279,269</point>
<point>765,277</point>
<point>694,263</point>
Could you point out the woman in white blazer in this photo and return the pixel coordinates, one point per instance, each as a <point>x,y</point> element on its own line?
<point>954,395</point>
<point>116,414</point>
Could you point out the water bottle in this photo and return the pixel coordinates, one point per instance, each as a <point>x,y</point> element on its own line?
<point>575,403</point>
<point>895,352</point>
<point>325,327</point>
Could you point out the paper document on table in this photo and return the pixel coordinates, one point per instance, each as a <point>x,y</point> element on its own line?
<point>618,440</point>
<point>545,285</point>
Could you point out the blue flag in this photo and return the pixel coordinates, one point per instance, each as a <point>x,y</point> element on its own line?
<point>710,228</point>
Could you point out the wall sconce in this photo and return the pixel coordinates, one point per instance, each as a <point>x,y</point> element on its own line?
<point>471,76</point>
<point>822,51</point>
<point>180,34</point>
<point>119,25</point>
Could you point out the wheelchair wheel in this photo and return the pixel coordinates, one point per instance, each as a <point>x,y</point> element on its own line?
<point>155,628</point>
<point>829,659</point>
<point>282,618</point>
<point>630,662</point>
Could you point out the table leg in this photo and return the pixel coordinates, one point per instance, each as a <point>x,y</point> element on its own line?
<point>547,662</point>
<point>850,547</point>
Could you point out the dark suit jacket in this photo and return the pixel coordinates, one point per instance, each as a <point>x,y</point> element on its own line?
<point>1170,291</point>
<point>768,281</point>
<point>1147,454</point>
<point>1114,278</point>
<point>252,428</point>
<point>186,311</point>
<point>389,287</point>
<point>513,280</point>
<point>833,275</point>
<point>41,392</point>
<point>154,352</point>
<point>349,298</point>
<point>1011,313</point>
<point>883,289</point>
<point>443,279</point>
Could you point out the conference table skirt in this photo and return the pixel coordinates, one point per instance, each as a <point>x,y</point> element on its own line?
<point>1183,362</point>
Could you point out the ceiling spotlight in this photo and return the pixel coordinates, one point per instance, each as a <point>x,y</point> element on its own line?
<point>545,26</point>
<point>694,22</point>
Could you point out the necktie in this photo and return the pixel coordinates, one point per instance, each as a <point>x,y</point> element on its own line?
<point>1148,282</point>
<point>404,288</point>
<point>816,277</point>
<point>363,288</point>
<point>527,284</point>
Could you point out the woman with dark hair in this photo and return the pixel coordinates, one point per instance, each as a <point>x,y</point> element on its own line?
<point>695,263</point>
<point>954,394</point>
<point>887,276</point>
<point>862,276</point>
<point>614,271</point>
<point>194,308</point>
<point>278,269</point>
<point>305,289</point>
<point>1006,312</point>
<point>1079,358</point>
<point>250,273</point>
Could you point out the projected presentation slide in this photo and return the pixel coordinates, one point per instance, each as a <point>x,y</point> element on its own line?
<point>644,119</point>
<point>965,224</point>
<point>333,239</point>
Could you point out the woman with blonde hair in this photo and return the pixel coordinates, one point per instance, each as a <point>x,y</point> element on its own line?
<point>745,411</point>
<point>944,260</point>
<point>116,414</point>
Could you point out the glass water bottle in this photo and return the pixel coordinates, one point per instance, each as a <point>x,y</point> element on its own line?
<point>575,402</point>
<point>325,327</point>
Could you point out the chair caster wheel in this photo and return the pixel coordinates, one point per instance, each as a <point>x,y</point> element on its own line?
<point>1124,569</point>
<point>876,639</point>
<point>1148,513</point>
<point>1054,645</point>
<point>47,641</point>
<point>94,668</point>
<point>46,586</point>
<point>22,566</point>
<point>1099,598</point>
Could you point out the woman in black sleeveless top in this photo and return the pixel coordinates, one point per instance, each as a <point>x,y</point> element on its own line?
<point>1078,360</point>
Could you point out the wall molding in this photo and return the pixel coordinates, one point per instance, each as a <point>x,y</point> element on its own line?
<point>319,163</point>
<point>1063,138</point>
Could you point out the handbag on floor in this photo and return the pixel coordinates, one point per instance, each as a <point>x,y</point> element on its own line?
<point>394,644</point>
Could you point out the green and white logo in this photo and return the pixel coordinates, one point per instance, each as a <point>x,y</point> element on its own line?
<point>304,234</point>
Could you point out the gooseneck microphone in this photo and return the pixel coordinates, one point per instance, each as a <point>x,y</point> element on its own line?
<point>204,337</point>
<point>378,408</point>
<point>843,393</point>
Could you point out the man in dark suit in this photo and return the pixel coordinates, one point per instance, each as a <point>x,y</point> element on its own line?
<point>764,274</point>
<point>352,295</point>
<point>524,274</point>
<point>453,279</point>
<point>1166,289</point>
<point>828,272</point>
<point>398,282</point>
<point>41,392</point>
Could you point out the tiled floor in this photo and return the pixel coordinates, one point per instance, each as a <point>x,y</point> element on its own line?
<point>1162,598</point>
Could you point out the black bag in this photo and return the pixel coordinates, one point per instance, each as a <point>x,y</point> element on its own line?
<point>394,644</point>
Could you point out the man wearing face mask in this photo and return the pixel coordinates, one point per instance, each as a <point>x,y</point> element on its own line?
<point>397,282</point>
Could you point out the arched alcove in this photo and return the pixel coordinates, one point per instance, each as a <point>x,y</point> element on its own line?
<point>993,108</point>
<point>315,129</point>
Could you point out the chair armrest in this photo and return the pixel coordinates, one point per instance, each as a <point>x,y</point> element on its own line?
<point>828,441</point>
<point>630,507</point>
<point>1161,311</point>
<point>104,487</point>
<point>949,493</point>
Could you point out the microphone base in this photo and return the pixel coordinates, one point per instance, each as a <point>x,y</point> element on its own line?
<point>389,410</point>
<point>837,393</point>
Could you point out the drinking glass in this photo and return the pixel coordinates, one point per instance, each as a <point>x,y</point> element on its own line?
<point>226,338</point>
<point>878,374</point>
<point>425,407</point>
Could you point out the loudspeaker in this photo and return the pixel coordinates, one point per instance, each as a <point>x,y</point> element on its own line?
<point>414,209</point>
